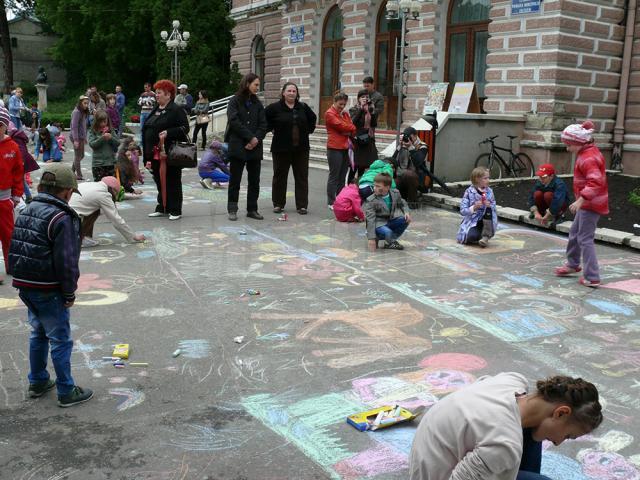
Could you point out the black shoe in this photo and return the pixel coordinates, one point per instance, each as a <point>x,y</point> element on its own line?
<point>38,389</point>
<point>395,245</point>
<point>233,216</point>
<point>255,215</point>
<point>277,209</point>
<point>78,395</point>
<point>302,211</point>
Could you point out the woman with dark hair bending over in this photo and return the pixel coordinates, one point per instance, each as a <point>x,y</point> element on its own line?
<point>246,127</point>
<point>493,429</point>
<point>166,124</point>
<point>291,121</point>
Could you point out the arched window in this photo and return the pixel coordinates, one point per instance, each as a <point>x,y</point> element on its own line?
<point>258,59</point>
<point>332,36</point>
<point>467,35</point>
<point>387,69</point>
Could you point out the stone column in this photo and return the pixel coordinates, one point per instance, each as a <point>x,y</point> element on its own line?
<point>42,96</point>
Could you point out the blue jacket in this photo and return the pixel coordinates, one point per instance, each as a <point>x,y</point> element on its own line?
<point>55,153</point>
<point>45,247</point>
<point>560,194</point>
<point>120,102</point>
<point>15,105</point>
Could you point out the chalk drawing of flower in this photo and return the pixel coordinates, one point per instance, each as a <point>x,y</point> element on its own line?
<point>319,269</point>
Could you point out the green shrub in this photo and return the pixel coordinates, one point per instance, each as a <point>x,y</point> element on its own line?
<point>63,118</point>
<point>634,197</point>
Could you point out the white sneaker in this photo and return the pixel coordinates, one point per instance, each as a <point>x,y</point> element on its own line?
<point>88,242</point>
<point>206,183</point>
<point>175,217</point>
<point>330,207</point>
<point>156,214</point>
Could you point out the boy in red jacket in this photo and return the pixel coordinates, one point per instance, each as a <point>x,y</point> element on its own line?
<point>11,184</point>
<point>592,200</point>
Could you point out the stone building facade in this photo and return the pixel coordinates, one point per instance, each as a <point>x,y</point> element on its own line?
<point>29,44</point>
<point>560,63</point>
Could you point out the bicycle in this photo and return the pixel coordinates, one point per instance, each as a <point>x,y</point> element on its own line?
<point>518,165</point>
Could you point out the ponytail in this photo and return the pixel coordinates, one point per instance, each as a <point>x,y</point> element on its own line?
<point>580,395</point>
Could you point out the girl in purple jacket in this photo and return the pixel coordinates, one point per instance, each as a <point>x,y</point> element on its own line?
<point>478,207</point>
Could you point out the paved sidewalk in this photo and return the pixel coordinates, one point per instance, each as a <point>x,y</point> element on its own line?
<point>335,330</point>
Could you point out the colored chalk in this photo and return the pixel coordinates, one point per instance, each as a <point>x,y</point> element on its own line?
<point>110,358</point>
<point>138,364</point>
<point>118,365</point>
<point>121,350</point>
<point>381,417</point>
<point>251,291</point>
<point>176,353</point>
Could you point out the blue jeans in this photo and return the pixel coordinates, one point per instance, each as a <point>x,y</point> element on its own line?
<point>27,191</point>
<point>143,118</point>
<point>392,230</point>
<point>49,320</point>
<point>16,121</point>
<point>531,458</point>
<point>215,176</point>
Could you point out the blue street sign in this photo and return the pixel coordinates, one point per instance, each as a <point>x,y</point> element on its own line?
<point>519,7</point>
<point>297,34</point>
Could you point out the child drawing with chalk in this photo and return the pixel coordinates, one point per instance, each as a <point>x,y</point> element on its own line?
<point>478,209</point>
<point>494,428</point>
<point>592,200</point>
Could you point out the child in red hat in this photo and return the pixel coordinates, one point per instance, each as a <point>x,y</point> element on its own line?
<point>592,200</point>
<point>549,198</point>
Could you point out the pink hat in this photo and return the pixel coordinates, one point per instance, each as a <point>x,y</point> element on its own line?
<point>578,134</point>
<point>112,182</point>
<point>4,117</point>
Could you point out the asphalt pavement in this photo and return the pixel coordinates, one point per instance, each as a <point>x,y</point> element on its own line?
<point>264,382</point>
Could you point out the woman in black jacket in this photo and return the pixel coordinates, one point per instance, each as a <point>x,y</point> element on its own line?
<point>246,127</point>
<point>167,122</point>
<point>365,118</point>
<point>291,121</point>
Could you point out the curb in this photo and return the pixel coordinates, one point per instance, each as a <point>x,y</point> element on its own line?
<point>607,235</point>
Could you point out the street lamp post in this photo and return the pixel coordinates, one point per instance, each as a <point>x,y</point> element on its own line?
<point>176,41</point>
<point>403,10</point>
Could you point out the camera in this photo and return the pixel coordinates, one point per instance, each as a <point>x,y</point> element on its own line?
<point>406,138</point>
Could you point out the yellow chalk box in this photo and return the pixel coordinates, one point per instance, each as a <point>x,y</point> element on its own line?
<point>121,350</point>
<point>381,417</point>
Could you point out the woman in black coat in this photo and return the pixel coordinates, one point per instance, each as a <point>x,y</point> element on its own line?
<point>246,128</point>
<point>291,121</point>
<point>167,121</point>
<point>365,118</point>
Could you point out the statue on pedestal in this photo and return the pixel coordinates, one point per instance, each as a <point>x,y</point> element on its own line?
<point>42,76</point>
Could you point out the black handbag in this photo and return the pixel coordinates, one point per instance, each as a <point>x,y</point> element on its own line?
<point>363,139</point>
<point>183,155</point>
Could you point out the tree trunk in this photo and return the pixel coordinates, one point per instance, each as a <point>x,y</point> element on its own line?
<point>5,44</point>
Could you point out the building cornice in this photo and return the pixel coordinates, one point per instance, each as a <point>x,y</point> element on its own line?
<point>255,7</point>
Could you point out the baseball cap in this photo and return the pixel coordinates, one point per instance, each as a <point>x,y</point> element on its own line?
<point>111,182</point>
<point>63,177</point>
<point>4,117</point>
<point>545,169</point>
<point>410,131</point>
<point>183,85</point>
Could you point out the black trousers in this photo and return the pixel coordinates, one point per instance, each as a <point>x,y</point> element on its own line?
<point>299,162</point>
<point>105,171</point>
<point>236,167</point>
<point>174,189</point>
<point>196,129</point>
<point>87,223</point>
<point>338,166</point>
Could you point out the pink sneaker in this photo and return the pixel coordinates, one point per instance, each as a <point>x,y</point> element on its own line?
<point>566,270</point>
<point>589,283</point>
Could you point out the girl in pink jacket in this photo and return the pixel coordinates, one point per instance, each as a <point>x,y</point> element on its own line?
<point>592,200</point>
<point>347,206</point>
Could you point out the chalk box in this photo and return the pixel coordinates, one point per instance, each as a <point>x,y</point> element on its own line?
<point>121,350</point>
<point>365,420</point>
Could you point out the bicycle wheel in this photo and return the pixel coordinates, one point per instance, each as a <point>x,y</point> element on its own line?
<point>489,162</point>
<point>522,166</point>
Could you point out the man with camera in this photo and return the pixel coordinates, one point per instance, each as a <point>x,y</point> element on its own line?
<point>376,97</point>
<point>410,166</point>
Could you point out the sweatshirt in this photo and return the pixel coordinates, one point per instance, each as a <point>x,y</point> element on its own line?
<point>590,180</point>
<point>11,169</point>
<point>348,204</point>
<point>95,196</point>
<point>472,434</point>
<point>104,151</point>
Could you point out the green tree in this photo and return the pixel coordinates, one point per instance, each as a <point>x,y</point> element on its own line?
<point>109,42</point>
<point>18,7</point>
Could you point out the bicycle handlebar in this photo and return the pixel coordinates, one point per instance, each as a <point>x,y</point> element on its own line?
<point>488,140</point>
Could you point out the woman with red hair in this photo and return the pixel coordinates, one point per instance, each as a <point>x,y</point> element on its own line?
<point>166,124</point>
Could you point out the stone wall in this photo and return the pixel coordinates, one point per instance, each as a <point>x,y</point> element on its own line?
<point>560,65</point>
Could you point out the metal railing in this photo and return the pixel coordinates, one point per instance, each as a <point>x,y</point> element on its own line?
<point>215,106</point>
